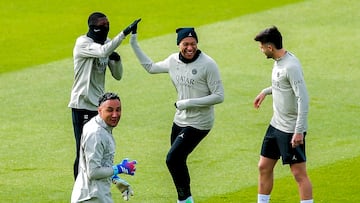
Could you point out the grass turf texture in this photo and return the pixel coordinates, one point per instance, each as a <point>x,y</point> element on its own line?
<point>37,32</point>
<point>37,145</point>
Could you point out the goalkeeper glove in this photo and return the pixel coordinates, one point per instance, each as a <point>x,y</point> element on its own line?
<point>123,186</point>
<point>125,167</point>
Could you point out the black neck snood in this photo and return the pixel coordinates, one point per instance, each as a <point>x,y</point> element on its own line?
<point>197,54</point>
<point>98,33</point>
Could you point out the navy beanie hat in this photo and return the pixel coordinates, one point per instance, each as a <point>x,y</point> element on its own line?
<point>185,32</point>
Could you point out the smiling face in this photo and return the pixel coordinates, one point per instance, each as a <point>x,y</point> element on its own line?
<point>188,47</point>
<point>110,112</point>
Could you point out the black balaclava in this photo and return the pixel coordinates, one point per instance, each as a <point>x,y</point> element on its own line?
<point>97,33</point>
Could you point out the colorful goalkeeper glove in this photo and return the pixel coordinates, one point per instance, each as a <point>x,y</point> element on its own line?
<point>125,167</point>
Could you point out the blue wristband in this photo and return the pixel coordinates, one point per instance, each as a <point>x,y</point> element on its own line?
<point>116,170</point>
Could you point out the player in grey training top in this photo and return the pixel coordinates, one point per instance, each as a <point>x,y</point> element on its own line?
<point>92,54</point>
<point>197,81</point>
<point>285,136</point>
<point>290,98</point>
<point>97,151</point>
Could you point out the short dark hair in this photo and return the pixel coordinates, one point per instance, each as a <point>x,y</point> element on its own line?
<point>93,18</point>
<point>108,96</point>
<point>270,35</point>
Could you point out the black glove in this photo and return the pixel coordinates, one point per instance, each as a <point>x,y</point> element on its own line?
<point>130,28</point>
<point>114,56</point>
<point>134,30</point>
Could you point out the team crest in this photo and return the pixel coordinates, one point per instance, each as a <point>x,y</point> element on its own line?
<point>194,71</point>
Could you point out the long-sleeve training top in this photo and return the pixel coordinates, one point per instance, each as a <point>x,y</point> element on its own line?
<point>198,85</point>
<point>90,62</point>
<point>290,97</point>
<point>95,165</point>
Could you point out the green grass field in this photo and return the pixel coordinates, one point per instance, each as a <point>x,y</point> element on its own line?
<point>48,30</point>
<point>37,144</point>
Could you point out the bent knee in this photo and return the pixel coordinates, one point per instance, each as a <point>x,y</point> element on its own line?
<point>266,165</point>
<point>169,159</point>
<point>264,168</point>
<point>299,172</point>
<point>172,159</point>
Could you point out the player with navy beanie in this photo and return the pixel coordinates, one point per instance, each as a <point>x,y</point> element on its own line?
<point>185,32</point>
<point>198,84</point>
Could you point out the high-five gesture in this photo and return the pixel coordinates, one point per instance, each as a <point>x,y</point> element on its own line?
<point>132,27</point>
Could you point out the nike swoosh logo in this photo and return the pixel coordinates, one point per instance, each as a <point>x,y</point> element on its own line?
<point>96,30</point>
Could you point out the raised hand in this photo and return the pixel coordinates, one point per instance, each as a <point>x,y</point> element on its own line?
<point>130,28</point>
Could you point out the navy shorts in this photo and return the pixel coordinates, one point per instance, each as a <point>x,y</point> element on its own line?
<point>276,143</point>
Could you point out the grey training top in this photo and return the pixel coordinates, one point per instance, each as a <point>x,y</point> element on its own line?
<point>97,151</point>
<point>198,85</point>
<point>290,97</point>
<point>90,62</point>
